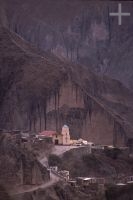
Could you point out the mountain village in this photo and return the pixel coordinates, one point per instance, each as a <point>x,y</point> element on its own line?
<point>62,143</point>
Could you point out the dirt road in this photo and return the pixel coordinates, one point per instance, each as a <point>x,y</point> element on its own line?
<point>26,189</point>
<point>59,150</point>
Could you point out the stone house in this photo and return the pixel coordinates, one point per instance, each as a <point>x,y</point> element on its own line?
<point>73,183</point>
<point>54,168</point>
<point>57,139</point>
<point>86,181</point>
<point>65,174</point>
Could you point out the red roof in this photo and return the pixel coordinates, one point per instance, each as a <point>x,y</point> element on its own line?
<point>47,133</point>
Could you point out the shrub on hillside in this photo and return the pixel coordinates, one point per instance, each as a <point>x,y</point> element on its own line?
<point>119,193</point>
<point>112,153</point>
<point>54,160</point>
<point>90,160</point>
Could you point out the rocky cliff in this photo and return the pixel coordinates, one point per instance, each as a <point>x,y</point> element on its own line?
<point>3,194</point>
<point>18,166</point>
<point>80,31</point>
<point>39,91</point>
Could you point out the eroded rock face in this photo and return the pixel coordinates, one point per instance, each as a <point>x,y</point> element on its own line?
<point>4,194</point>
<point>39,91</point>
<point>18,166</point>
<point>80,31</point>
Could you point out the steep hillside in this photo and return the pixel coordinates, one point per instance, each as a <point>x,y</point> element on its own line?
<point>61,191</point>
<point>117,193</point>
<point>39,91</point>
<point>65,192</point>
<point>111,166</point>
<point>78,30</point>
<point>3,194</point>
<point>18,166</point>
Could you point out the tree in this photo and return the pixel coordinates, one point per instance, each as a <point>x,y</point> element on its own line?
<point>54,160</point>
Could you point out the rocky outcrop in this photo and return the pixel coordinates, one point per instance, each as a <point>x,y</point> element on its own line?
<point>18,166</point>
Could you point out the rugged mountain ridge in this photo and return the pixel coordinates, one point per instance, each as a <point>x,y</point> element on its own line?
<point>80,31</point>
<point>39,91</point>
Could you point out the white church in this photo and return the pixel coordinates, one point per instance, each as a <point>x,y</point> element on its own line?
<point>62,138</point>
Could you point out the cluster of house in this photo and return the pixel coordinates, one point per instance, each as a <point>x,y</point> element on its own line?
<point>124,180</point>
<point>26,138</point>
<point>92,182</point>
<point>87,181</point>
<point>99,183</point>
<point>62,138</point>
<point>63,174</point>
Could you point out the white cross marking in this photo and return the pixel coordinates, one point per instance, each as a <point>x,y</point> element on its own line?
<point>119,14</point>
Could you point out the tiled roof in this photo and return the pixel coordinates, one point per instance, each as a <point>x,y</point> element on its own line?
<point>47,133</point>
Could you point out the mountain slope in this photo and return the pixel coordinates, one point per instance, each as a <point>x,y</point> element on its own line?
<point>80,31</point>
<point>39,91</point>
<point>18,165</point>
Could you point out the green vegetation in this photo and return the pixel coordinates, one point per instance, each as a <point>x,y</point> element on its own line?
<point>54,160</point>
<point>90,160</point>
<point>112,153</point>
<point>119,193</point>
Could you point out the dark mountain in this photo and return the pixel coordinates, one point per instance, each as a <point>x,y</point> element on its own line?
<point>39,91</point>
<point>79,30</point>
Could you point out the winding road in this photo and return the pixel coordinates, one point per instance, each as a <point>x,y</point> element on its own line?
<point>54,178</point>
<point>27,189</point>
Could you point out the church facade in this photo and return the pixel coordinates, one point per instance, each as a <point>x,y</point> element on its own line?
<point>65,135</point>
<point>62,138</point>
